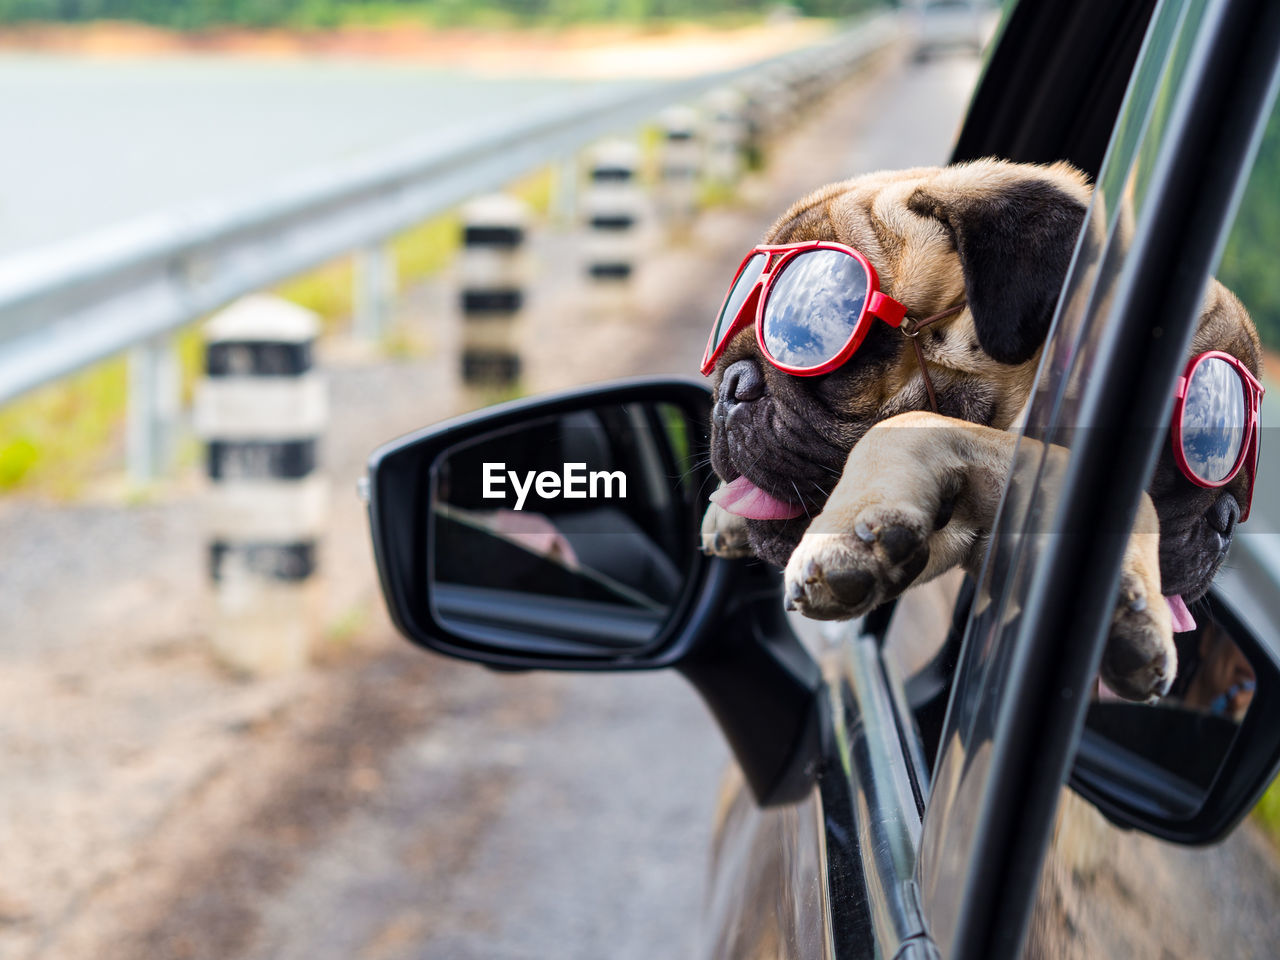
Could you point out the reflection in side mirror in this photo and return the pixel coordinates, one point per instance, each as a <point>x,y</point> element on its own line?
<point>1172,750</point>
<point>557,532</point>
<point>569,532</point>
<point>1188,766</point>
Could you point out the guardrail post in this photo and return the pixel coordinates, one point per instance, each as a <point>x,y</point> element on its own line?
<point>786,107</point>
<point>493,282</point>
<point>375,292</point>
<point>564,191</point>
<point>612,206</point>
<point>755,126</point>
<point>679,167</point>
<point>727,135</point>
<point>153,408</point>
<point>262,409</point>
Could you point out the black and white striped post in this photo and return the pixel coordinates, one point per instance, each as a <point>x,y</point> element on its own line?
<point>679,168</point>
<point>262,409</point>
<point>613,206</point>
<point>493,275</point>
<point>726,135</point>
<point>784,105</point>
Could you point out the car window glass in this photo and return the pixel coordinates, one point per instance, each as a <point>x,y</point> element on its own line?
<point>1147,106</point>
<point>961,801</point>
<point>1191,901</point>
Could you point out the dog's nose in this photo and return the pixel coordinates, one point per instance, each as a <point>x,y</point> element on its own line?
<point>1223,515</point>
<point>743,381</point>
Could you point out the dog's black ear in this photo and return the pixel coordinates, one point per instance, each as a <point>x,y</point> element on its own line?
<point>1014,227</point>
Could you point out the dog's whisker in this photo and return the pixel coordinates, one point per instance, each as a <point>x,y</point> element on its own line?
<point>801,499</point>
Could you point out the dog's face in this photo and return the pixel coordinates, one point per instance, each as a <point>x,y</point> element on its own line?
<point>999,236</point>
<point>996,234</point>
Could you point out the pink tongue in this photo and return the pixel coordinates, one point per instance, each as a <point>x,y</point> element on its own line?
<point>743,498</point>
<point>1182,619</point>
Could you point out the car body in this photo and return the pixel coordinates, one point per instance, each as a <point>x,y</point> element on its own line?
<point>901,785</point>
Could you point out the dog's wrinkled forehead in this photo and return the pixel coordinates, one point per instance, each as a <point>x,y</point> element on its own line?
<point>914,254</point>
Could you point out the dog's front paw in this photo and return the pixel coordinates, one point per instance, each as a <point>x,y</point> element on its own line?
<point>838,571</point>
<point>724,534</point>
<point>1140,660</point>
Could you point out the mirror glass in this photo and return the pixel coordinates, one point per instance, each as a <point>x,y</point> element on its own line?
<point>1168,753</point>
<point>571,534</point>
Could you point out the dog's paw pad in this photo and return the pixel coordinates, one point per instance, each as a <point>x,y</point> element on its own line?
<point>851,587</point>
<point>1140,660</point>
<point>899,543</point>
<point>723,534</point>
<point>838,575</point>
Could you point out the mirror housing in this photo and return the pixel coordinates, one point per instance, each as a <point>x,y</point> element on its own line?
<point>1209,795</point>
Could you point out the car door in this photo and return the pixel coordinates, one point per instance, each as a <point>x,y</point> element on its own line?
<point>961,879</point>
<point>1165,196</point>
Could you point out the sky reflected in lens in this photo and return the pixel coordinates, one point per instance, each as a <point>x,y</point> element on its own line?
<point>738,295</point>
<point>814,304</point>
<point>1213,420</point>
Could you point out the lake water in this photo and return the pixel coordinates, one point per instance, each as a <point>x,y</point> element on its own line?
<point>88,143</point>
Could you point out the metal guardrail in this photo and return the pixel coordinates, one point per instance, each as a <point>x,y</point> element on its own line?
<point>68,306</point>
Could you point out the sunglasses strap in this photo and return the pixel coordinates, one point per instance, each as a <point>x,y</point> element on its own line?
<point>912,328</point>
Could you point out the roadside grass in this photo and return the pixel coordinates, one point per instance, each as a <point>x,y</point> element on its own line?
<point>1267,812</point>
<point>51,438</point>
<point>57,439</point>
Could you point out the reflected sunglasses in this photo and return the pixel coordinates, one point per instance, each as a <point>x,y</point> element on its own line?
<point>1217,417</point>
<point>812,304</point>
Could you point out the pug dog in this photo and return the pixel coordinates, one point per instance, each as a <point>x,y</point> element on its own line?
<point>849,481</point>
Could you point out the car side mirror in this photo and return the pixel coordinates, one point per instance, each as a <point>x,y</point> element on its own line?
<point>557,532</point>
<point>1188,767</point>
<point>563,532</point>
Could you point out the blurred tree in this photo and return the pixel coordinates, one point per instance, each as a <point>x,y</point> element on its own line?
<point>200,14</point>
<point>1249,263</point>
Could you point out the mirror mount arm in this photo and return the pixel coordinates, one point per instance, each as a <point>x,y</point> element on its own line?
<point>763,688</point>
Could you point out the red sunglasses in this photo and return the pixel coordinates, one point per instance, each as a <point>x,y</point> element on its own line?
<point>812,304</point>
<point>1216,422</point>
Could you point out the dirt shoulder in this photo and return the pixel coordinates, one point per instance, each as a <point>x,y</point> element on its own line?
<point>586,52</point>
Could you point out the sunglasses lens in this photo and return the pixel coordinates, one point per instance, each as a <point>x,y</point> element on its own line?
<point>1213,420</point>
<point>813,307</point>
<point>738,294</point>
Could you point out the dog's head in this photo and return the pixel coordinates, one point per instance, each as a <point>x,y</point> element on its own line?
<point>999,236</point>
<point>995,234</point>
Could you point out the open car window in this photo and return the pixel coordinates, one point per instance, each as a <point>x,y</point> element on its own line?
<point>1013,705</point>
